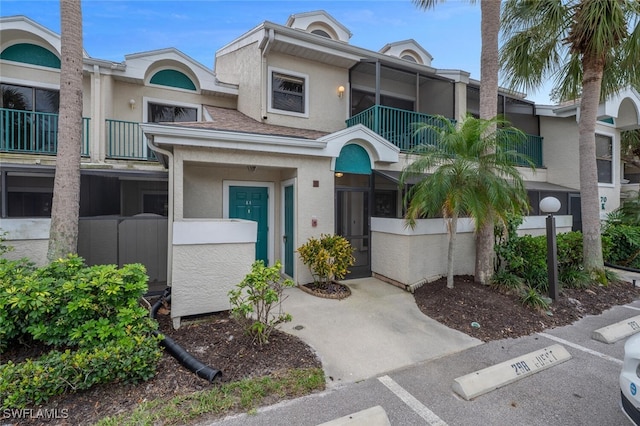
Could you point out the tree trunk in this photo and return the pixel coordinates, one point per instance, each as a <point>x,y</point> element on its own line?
<point>589,195</point>
<point>65,210</point>
<point>453,233</point>
<point>490,28</point>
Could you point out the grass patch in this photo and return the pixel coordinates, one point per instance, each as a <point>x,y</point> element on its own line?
<point>245,395</point>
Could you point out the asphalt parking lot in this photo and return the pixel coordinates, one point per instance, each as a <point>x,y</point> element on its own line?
<point>583,390</point>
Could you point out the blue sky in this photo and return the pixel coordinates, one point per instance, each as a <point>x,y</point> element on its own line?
<point>115,28</point>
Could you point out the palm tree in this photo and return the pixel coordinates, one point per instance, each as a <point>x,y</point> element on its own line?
<point>65,210</point>
<point>473,174</point>
<point>590,49</point>
<point>489,67</point>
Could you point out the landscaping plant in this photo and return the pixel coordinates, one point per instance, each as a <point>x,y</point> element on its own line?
<point>521,266</point>
<point>328,258</point>
<point>257,300</point>
<point>88,321</point>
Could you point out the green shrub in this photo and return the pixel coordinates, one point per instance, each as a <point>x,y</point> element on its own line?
<point>574,278</point>
<point>327,258</point>
<point>625,245</point>
<point>526,257</point>
<point>257,301</point>
<point>129,360</point>
<point>506,282</point>
<point>532,298</point>
<point>3,247</point>
<point>90,313</point>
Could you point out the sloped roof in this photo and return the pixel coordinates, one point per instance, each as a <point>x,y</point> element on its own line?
<point>234,121</point>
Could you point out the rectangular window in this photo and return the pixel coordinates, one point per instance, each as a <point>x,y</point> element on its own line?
<point>604,158</point>
<point>159,113</point>
<point>288,92</point>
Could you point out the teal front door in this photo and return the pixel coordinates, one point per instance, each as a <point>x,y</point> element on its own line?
<point>252,203</point>
<point>288,230</point>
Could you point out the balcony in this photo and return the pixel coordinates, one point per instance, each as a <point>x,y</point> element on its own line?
<point>397,126</point>
<point>126,141</point>
<point>29,132</point>
<point>34,132</point>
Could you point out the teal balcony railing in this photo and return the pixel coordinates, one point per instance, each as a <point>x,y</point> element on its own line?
<point>398,127</point>
<point>530,147</point>
<point>34,132</point>
<point>125,140</point>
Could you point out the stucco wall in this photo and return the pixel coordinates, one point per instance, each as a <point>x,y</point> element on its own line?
<point>29,238</point>
<point>34,250</point>
<point>31,75</point>
<point>327,112</point>
<point>409,256</point>
<point>244,67</point>
<point>560,150</point>
<point>209,259</point>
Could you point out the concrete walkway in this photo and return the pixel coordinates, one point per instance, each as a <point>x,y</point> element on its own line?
<point>377,329</point>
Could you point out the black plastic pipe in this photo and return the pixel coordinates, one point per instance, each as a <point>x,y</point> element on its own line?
<point>184,358</point>
<point>624,268</point>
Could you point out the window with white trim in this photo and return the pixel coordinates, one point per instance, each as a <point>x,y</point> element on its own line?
<point>288,92</point>
<point>159,113</point>
<point>604,158</point>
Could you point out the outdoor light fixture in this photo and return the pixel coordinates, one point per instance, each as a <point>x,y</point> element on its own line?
<point>132,103</point>
<point>339,174</point>
<point>340,91</point>
<point>551,205</point>
<point>252,168</point>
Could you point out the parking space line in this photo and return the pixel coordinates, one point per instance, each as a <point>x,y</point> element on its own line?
<point>631,307</point>
<point>581,348</point>
<point>417,406</point>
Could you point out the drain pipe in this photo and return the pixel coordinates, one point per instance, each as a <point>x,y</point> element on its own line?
<point>171,166</point>
<point>185,358</point>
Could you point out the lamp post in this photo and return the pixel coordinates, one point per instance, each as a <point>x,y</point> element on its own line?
<point>551,205</point>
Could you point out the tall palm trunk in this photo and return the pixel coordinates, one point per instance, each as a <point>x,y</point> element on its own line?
<point>591,83</point>
<point>65,211</point>
<point>489,65</point>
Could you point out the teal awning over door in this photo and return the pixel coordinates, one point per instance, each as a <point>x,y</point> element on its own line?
<point>353,159</point>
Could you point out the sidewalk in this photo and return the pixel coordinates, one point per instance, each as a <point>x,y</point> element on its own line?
<point>377,329</point>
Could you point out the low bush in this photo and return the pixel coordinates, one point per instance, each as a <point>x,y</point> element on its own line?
<point>526,257</point>
<point>327,258</point>
<point>129,360</point>
<point>91,319</point>
<point>625,245</point>
<point>257,301</point>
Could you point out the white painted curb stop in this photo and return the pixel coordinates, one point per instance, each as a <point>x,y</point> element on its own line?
<point>374,416</point>
<point>614,332</point>
<point>496,376</point>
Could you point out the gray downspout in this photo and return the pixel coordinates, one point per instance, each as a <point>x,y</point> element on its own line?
<point>154,147</point>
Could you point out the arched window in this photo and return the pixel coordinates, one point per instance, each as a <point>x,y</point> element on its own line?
<point>31,54</point>
<point>172,78</point>
<point>321,33</point>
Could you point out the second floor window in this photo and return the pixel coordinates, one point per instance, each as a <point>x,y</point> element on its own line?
<point>288,92</point>
<point>604,158</point>
<point>29,98</point>
<point>159,113</point>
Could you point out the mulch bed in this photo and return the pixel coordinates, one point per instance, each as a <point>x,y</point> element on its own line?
<point>216,340</point>
<point>333,290</point>
<point>502,316</point>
